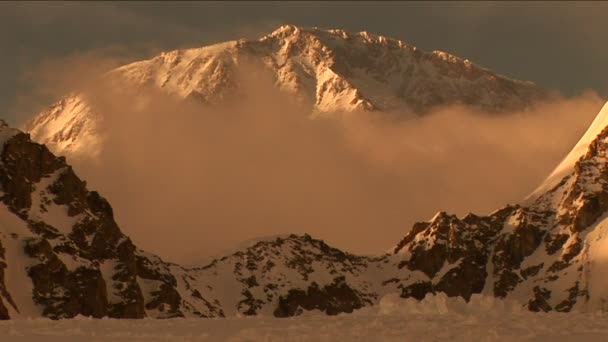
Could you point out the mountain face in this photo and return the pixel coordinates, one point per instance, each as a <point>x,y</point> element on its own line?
<point>331,70</point>
<point>62,254</point>
<point>547,252</point>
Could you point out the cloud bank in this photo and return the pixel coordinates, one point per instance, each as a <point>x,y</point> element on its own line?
<point>188,180</point>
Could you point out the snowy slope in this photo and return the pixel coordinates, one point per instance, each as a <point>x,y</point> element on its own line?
<point>329,70</point>
<point>69,126</point>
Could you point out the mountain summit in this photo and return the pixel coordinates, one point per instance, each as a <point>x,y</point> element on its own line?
<point>331,70</point>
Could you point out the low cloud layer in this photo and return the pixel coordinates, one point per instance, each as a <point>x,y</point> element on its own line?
<point>188,180</point>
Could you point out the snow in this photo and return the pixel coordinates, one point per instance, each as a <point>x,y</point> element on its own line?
<point>69,125</point>
<point>395,319</point>
<point>18,283</point>
<point>50,213</point>
<point>108,269</point>
<point>72,262</point>
<point>511,223</point>
<point>447,267</point>
<point>566,166</point>
<point>596,264</point>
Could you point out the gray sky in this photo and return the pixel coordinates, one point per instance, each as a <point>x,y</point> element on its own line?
<point>555,44</point>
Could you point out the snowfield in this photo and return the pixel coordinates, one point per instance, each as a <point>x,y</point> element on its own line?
<point>436,318</point>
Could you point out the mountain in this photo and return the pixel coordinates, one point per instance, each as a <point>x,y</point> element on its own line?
<point>61,252</point>
<point>330,70</point>
<point>548,252</point>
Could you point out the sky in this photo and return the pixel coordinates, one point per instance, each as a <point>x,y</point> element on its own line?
<point>559,45</point>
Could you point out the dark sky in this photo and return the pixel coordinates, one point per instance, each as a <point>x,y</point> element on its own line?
<point>559,45</point>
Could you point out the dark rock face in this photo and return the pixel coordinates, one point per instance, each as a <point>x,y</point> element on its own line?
<point>417,290</point>
<point>539,302</point>
<point>63,293</point>
<point>461,256</point>
<point>463,245</point>
<point>23,165</point>
<point>332,299</point>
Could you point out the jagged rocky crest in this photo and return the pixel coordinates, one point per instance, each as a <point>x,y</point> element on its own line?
<point>330,70</point>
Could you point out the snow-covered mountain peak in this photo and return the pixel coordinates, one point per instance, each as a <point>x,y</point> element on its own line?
<point>284,31</point>
<point>329,70</point>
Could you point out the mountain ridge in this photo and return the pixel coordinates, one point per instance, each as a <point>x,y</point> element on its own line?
<point>329,70</point>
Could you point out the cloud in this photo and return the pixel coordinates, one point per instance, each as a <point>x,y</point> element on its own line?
<point>51,79</point>
<point>188,180</point>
